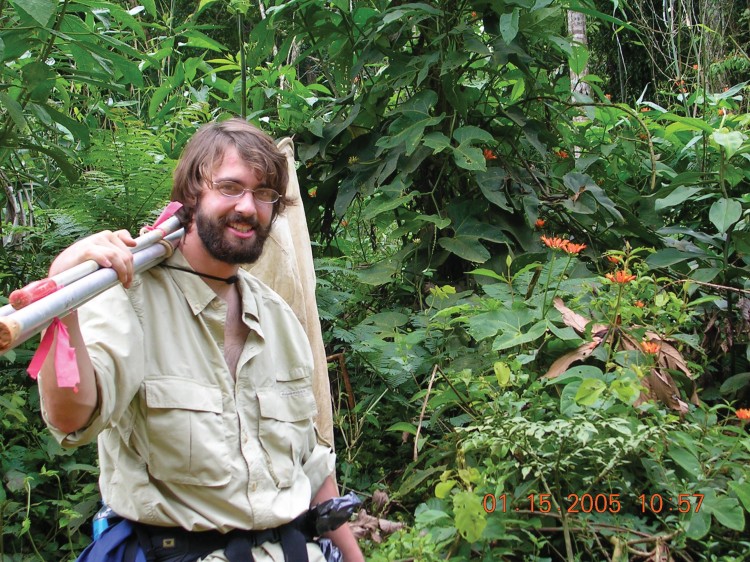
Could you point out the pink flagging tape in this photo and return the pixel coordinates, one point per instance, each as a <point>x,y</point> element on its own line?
<point>167,213</point>
<point>66,366</point>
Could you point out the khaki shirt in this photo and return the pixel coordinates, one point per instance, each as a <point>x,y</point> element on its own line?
<point>181,443</point>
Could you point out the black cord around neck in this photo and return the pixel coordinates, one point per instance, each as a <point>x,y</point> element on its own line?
<point>228,280</point>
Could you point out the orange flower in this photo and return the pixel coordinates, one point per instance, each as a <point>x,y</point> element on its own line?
<point>645,109</point>
<point>650,347</point>
<point>573,249</point>
<point>743,413</point>
<point>639,304</point>
<point>489,154</point>
<point>473,14</point>
<point>562,154</point>
<point>539,223</point>
<point>554,243</point>
<point>620,276</point>
<point>695,67</point>
<point>613,259</point>
<point>608,96</point>
<point>344,223</point>
<point>313,192</point>
<point>566,246</point>
<point>723,111</point>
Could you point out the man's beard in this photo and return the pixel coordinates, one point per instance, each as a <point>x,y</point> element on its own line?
<point>238,251</point>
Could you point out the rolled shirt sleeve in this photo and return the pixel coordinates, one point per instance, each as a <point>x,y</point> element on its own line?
<point>114,339</point>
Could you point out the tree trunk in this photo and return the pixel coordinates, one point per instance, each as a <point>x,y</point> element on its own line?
<point>577,31</point>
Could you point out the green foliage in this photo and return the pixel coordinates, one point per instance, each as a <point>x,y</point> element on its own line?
<point>49,495</point>
<point>578,461</point>
<point>438,140</point>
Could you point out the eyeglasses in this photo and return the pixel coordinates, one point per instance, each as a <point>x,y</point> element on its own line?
<point>235,191</point>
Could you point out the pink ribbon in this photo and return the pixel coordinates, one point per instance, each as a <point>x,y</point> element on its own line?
<point>66,366</point>
<point>167,213</point>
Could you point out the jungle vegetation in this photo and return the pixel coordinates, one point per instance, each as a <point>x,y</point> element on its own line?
<point>532,240</point>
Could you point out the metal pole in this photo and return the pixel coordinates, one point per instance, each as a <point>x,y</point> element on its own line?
<point>40,289</point>
<point>20,325</point>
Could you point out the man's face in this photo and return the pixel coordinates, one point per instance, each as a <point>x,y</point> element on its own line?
<point>233,230</point>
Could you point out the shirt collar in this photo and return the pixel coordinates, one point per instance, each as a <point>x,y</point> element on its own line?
<point>199,295</point>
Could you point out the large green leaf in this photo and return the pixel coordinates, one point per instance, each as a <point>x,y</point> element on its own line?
<point>671,256</point>
<point>513,336</point>
<point>14,109</point>
<point>470,517</point>
<point>730,141</point>
<point>491,181</point>
<point>742,491</point>
<point>724,213</point>
<point>578,59</point>
<point>466,247</point>
<point>41,11</point>
<point>469,157</point>
<point>410,126</point>
<point>727,510</point>
<point>509,25</point>
<point>677,197</point>
<point>589,391</point>
<point>382,204</point>
<point>470,134</point>
<point>687,460</point>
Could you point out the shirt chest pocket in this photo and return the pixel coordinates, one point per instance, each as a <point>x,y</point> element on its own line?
<point>286,433</point>
<point>185,432</point>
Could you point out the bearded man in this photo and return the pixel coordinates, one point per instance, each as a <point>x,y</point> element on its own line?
<point>196,377</point>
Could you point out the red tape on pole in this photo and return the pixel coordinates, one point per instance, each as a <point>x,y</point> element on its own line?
<point>32,292</point>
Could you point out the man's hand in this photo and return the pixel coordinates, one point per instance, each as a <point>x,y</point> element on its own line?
<point>107,248</point>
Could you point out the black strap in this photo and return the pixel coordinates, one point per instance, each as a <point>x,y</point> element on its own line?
<point>174,544</point>
<point>228,280</point>
<point>239,549</point>
<point>293,543</point>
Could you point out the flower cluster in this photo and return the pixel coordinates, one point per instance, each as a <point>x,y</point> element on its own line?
<point>743,413</point>
<point>650,347</point>
<point>489,154</point>
<point>620,276</point>
<point>566,246</point>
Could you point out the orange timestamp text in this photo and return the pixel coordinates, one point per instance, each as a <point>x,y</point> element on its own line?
<point>593,503</point>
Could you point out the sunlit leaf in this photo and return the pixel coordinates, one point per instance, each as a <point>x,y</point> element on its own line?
<point>589,391</point>
<point>724,213</point>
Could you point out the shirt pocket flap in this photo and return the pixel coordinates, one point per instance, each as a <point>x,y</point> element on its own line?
<point>184,394</point>
<point>287,405</point>
<point>293,374</point>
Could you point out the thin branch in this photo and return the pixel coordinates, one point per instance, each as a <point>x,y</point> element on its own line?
<point>421,415</point>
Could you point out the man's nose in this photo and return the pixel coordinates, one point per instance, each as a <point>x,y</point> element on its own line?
<point>246,204</point>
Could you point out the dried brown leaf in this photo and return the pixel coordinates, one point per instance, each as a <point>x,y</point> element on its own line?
<point>662,387</point>
<point>561,364</point>
<point>373,528</point>
<point>575,320</point>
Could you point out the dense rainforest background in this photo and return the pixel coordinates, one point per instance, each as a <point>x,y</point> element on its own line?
<point>531,223</point>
